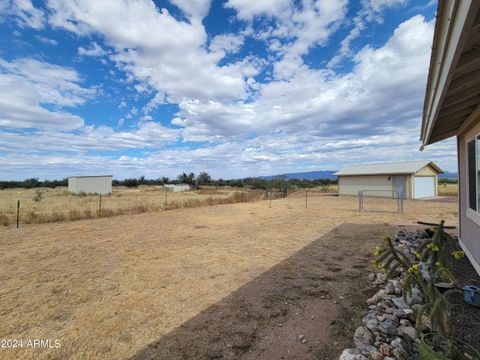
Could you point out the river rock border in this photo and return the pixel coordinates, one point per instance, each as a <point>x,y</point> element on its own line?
<point>388,329</point>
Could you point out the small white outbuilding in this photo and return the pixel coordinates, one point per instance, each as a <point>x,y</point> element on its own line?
<point>407,179</point>
<point>177,187</point>
<point>99,184</point>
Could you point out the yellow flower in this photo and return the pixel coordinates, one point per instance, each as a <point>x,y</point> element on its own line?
<point>438,264</point>
<point>414,269</point>
<point>418,255</point>
<point>435,248</point>
<point>429,246</point>
<point>458,254</point>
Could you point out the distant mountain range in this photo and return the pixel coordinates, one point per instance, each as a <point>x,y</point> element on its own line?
<point>310,175</point>
<point>328,174</point>
<point>448,175</point>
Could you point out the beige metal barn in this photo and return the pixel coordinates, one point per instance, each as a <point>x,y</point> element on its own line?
<point>100,184</point>
<point>408,179</point>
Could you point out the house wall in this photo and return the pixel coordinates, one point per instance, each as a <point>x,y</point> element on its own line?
<point>469,222</point>
<point>101,185</point>
<point>375,185</point>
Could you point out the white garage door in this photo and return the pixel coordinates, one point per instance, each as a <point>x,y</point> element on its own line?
<point>424,186</point>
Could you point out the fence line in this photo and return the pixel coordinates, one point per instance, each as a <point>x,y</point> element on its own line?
<point>399,199</point>
<point>62,207</point>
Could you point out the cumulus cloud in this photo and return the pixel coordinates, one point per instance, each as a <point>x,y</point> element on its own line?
<point>94,50</point>
<point>24,13</point>
<point>254,113</point>
<point>247,9</point>
<point>152,46</point>
<point>28,84</point>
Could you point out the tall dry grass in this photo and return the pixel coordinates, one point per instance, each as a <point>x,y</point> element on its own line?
<point>58,205</point>
<point>448,189</point>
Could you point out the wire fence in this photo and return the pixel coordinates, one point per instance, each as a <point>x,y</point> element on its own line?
<point>384,201</point>
<point>54,206</point>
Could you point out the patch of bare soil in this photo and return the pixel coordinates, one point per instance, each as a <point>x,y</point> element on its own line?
<point>305,307</point>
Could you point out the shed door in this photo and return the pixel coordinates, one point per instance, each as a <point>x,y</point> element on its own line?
<point>399,186</point>
<point>424,186</point>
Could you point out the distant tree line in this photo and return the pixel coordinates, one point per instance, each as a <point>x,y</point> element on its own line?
<point>195,181</point>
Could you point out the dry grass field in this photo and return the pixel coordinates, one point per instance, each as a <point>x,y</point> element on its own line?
<point>448,189</point>
<point>43,205</point>
<point>223,281</point>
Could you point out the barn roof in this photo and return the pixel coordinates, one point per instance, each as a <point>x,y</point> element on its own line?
<point>404,167</point>
<point>89,176</point>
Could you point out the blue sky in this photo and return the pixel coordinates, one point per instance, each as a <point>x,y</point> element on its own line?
<point>236,87</point>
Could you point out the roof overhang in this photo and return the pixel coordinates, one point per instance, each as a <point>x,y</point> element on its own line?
<point>452,96</point>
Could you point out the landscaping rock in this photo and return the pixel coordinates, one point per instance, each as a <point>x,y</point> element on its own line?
<point>415,297</point>
<point>375,356</point>
<point>362,336</point>
<point>352,354</point>
<point>367,349</point>
<point>385,349</point>
<point>408,331</point>
<point>400,303</point>
<point>370,321</point>
<point>399,353</point>
<point>397,342</point>
<point>388,327</point>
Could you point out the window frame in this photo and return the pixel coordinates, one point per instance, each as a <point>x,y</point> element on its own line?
<point>472,214</point>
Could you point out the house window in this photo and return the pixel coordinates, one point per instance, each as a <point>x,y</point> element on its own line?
<point>473,151</point>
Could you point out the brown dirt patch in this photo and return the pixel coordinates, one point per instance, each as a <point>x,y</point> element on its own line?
<point>298,299</point>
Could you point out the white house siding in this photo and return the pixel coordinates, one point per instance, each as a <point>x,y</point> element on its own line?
<point>374,185</point>
<point>101,185</point>
<point>469,223</point>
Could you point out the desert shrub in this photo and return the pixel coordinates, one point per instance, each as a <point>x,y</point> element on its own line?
<point>88,213</point>
<point>38,196</point>
<point>4,220</point>
<point>74,214</point>
<point>56,216</point>
<point>30,217</point>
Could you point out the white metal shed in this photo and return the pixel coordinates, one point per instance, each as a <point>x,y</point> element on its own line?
<point>98,184</point>
<point>177,187</point>
<point>408,179</point>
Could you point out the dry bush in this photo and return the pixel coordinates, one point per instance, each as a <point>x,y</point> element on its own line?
<point>4,220</point>
<point>208,191</point>
<point>30,217</point>
<point>55,217</point>
<point>88,213</point>
<point>74,214</point>
<point>448,189</point>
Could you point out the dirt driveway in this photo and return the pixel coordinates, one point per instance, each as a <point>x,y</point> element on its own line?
<point>230,281</point>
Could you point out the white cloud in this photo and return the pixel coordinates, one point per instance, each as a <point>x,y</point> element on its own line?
<point>46,40</point>
<point>152,46</point>
<point>88,138</point>
<point>94,50</point>
<point>196,10</point>
<point>372,10</point>
<point>226,44</point>
<point>24,13</point>
<point>28,84</point>
<point>247,9</point>
<point>385,87</point>
<point>122,104</point>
